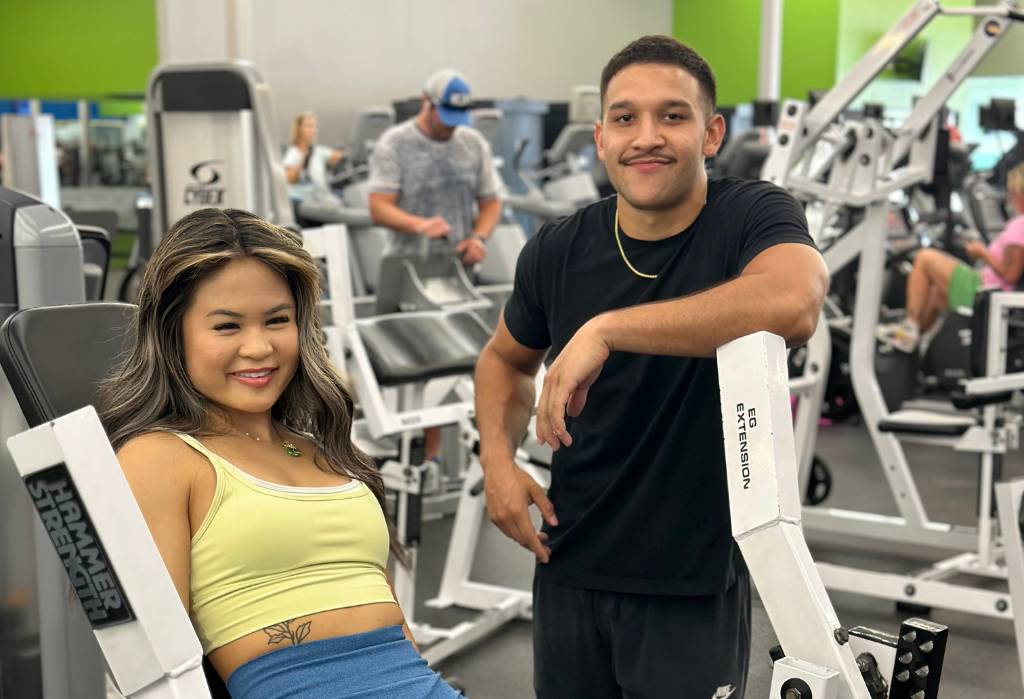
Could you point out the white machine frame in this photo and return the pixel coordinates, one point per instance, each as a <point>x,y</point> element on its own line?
<point>30,156</point>
<point>764,500</point>
<point>230,155</point>
<point>865,169</point>
<point>155,653</point>
<point>865,178</point>
<point>407,480</point>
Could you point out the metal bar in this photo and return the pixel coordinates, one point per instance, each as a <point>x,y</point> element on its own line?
<point>1001,11</point>
<point>480,596</point>
<point>467,634</point>
<point>861,75</point>
<point>84,152</point>
<point>986,36</point>
<point>808,411</point>
<point>887,528</point>
<point>1000,384</point>
<point>862,369</point>
<point>985,502</point>
<point>760,460</point>
<point>465,534</point>
<point>1008,499</point>
<point>913,590</point>
<point>769,67</point>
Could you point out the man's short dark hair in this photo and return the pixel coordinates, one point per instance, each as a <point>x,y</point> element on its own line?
<point>663,50</point>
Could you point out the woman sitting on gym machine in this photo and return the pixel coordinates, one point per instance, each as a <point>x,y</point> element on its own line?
<point>233,430</point>
<point>306,162</point>
<point>939,281</point>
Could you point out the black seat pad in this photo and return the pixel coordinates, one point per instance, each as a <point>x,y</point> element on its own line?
<point>416,347</point>
<point>55,356</point>
<point>925,423</point>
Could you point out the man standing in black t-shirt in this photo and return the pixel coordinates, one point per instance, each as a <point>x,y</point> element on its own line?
<point>639,589</point>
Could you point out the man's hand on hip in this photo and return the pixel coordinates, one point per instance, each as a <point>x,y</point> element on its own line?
<point>434,227</point>
<point>472,250</point>
<point>567,382</point>
<point>510,490</point>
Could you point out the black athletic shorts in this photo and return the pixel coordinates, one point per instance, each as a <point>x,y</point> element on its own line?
<point>609,645</point>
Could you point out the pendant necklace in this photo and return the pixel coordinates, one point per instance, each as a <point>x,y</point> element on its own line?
<point>289,447</point>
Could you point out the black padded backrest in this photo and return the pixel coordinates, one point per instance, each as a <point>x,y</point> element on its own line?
<point>105,219</point>
<point>96,249</point>
<point>743,156</point>
<point>54,356</point>
<point>95,245</point>
<point>415,347</point>
<point>979,332</point>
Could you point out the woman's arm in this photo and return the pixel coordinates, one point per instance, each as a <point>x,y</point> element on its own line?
<point>1010,267</point>
<point>160,470</point>
<point>294,161</point>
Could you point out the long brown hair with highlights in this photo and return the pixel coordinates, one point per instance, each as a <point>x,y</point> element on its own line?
<point>149,390</point>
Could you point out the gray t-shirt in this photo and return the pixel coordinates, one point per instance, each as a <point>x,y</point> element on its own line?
<point>433,178</point>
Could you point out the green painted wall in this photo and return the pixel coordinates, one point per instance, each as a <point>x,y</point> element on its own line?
<point>725,33</point>
<point>728,34</point>
<point>864,21</point>
<point>810,31</point>
<point>68,49</point>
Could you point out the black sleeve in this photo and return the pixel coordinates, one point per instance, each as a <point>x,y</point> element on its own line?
<point>773,217</point>
<point>524,312</point>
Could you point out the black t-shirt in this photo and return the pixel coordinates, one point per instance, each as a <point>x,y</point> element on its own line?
<point>641,494</point>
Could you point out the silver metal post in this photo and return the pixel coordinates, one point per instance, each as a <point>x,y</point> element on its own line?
<point>84,159</point>
<point>769,68</point>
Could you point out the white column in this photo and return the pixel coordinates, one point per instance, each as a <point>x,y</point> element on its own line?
<point>84,161</point>
<point>770,66</point>
<point>238,26</point>
<point>192,30</point>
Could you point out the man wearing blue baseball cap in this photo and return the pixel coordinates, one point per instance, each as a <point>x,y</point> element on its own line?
<point>434,176</point>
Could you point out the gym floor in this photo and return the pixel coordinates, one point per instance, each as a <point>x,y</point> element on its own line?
<point>981,657</point>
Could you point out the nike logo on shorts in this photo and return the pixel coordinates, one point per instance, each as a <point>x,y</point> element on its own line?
<point>723,692</point>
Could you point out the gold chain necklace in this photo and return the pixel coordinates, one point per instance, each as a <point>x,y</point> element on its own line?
<point>622,252</point>
<point>289,448</point>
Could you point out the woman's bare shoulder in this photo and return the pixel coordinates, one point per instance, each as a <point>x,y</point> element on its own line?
<point>160,456</point>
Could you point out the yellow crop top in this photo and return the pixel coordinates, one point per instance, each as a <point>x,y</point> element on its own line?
<point>265,553</point>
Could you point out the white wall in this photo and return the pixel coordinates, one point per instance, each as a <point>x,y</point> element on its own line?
<point>191,30</point>
<point>333,56</point>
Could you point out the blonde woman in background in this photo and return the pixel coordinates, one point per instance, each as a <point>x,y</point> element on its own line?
<point>939,281</point>
<point>306,162</point>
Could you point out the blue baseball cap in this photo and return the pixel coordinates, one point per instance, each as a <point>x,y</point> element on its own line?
<point>448,91</point>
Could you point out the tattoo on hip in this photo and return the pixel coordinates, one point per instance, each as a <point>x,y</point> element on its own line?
<point>285,632</point>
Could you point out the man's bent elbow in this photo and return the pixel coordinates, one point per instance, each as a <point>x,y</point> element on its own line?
<point>804,321</point>
<point>801,330</point>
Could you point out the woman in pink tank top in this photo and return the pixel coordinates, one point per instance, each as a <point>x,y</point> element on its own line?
<point>940,281</point>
